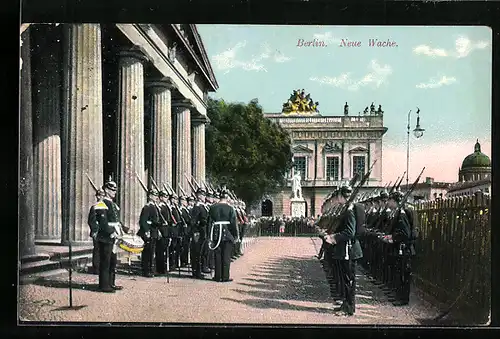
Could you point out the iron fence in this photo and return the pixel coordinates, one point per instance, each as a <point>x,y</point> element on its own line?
<point>453,262</point>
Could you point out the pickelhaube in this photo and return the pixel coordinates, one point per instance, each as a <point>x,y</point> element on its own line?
<point>397,196</point>
<point>153,192</point>
<point>345,190</point>
<point>384,194</point>
<point>111,185</point>
<point>163,194</point>
<point>201,190</point>
<point>190,198</point>
<point>182,197</point>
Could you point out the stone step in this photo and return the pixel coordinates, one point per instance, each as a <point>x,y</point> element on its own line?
<point>38,266</point>
<point>78,261</point>
<point>34,257</point>
<point>75,253</point>
<point>30,278</point>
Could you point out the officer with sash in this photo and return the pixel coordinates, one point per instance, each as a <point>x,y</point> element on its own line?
<point>94,229</point>
<point>347,250</point>
<point>403,235</point>
<point>149,224</point>
<point>199,219</point>
<point>223,235</point>
<point>162,244</point>
<point>108,220</point>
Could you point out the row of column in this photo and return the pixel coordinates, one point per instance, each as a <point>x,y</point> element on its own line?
<point>54,171</point>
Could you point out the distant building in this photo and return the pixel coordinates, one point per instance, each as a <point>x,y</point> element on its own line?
<point>474,175</point>
<point>327,150</point>
<point>429,189</point>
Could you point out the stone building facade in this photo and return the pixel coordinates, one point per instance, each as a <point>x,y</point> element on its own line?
<point>106,101</point>
<point>328,150</point>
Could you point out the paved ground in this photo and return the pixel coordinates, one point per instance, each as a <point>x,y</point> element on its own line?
<point>277,281</point>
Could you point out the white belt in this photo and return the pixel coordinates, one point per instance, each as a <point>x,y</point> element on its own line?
<point>113,224</point>
<point>221,223</point>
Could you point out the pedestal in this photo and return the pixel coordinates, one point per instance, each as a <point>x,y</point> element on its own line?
<point>298,207</point>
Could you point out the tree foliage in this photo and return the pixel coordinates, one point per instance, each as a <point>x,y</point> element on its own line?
<point>246,151</point>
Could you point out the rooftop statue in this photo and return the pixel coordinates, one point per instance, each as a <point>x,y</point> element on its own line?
<point>299,102</point>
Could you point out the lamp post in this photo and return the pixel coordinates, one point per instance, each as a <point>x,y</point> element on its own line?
<point>418,133</point>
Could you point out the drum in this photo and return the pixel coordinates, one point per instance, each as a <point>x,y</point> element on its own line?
<point>131,243</point>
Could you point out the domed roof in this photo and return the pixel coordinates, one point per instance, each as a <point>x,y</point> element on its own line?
<point>476,159</point>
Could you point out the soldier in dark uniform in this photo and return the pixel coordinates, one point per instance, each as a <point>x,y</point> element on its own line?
<point>94,229</point>
<point>108,220</point>
<point>166,212</point>
<point>162,243</point>
<point>175,232</point>
<point>149,224</point>
<point>206,200</point>
<point>185,230</point>
<point>347,250</point>
<point>199,219</point>
<point>403,237</point>
<point>223,235</point>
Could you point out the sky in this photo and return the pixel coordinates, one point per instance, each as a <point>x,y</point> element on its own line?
<point>445,71</point>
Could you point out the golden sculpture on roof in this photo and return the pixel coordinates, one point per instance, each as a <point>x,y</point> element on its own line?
<point>299,102</point>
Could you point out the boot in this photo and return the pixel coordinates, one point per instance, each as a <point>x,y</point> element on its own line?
<point>113,285</point>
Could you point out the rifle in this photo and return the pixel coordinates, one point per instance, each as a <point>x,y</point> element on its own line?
<point>341,210</point>
<point>177,207</point>
<point>194,180</point>
<point>400,181</point>
<point>92,183</point>
<point>182,191</point>
<point>407,194</point>
<point>190,184</point>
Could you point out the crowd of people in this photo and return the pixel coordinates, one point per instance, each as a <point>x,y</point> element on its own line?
<point>204,230</point>
<point>286,225</point>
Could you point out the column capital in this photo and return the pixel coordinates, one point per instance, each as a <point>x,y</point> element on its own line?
<point>134,52</point>
<point>161,83</point>
<point>200,119</point>
<point>184,103</point>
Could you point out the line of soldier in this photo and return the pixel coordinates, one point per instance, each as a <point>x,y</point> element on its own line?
<point>173,228</point>
<point>345,227</point>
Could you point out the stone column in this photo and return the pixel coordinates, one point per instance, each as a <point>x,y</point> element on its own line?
<point>182,143</point>
<point>161,116</point>
<point>131,195</point>
<point>199,124</point>
<point>47,178</point>
<point>82,127</point>
<point>26,212</point>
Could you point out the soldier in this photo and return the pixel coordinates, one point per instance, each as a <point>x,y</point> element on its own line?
<point>185,230</point>
<point>347,250</point>
<point>199,218</point>
<point>403,236</point>
<point>149,223</point>
<point>94,229</point>
<point>175,232</point>
<point>162,244</point>
<point>223,234</point>
<point>108,220</point>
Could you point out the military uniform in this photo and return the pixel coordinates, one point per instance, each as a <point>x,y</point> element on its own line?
<point>223,226</point>
<point>175,234</point>
<point>149,224</point>
<point>347,250</point>
<point>107,216</point>
<point>94,229</point>
<point>198,227</point>
<point>185,239</point>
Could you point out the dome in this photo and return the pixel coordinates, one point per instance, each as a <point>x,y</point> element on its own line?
<point>476,159</point>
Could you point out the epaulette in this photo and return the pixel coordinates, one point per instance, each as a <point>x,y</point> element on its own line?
<point>100,206</point>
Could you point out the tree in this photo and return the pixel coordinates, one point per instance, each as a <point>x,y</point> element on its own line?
<point>246,151</point>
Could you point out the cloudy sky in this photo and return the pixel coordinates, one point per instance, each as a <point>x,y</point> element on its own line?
<point>445,71</point>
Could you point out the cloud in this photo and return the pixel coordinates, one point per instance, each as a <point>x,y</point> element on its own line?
<point>227,60</point>
<point>441,161</point>
<point>376,76</point>
<point>327,37</point>
<point>463,47</point>
<point>437,82</point>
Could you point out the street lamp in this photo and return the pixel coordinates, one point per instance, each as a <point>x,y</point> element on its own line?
<point>418,132</point>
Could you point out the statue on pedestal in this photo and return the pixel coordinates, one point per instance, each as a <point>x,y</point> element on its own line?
<point>366,110</point>
<point>372,109</point>
<point>379,110</point>
<point>296,187</point>
<point>346,109</point>
<point>299,102</point>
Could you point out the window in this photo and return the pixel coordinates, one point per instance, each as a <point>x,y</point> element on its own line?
<point>332,168</point>
<point>300,165</point>
<point>358,165</point>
